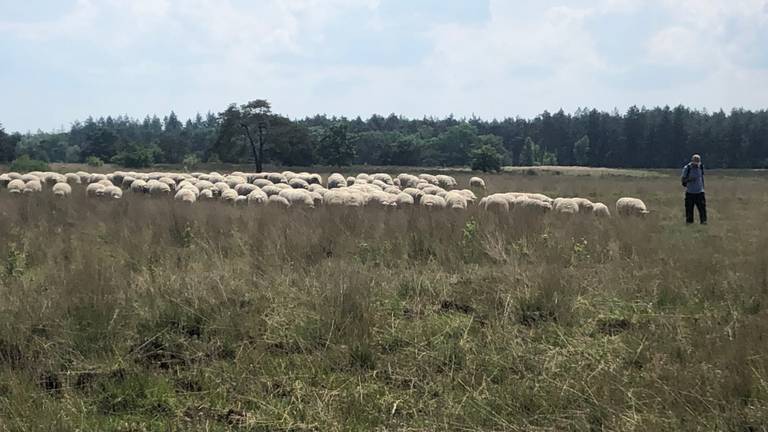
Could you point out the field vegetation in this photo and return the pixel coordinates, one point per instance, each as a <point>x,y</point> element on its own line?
<point>147,314</point>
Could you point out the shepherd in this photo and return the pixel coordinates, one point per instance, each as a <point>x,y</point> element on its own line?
<point>693,182</point>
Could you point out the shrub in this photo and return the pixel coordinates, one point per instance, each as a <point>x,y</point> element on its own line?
<point>25,164</point>
<point>94,161</point>
<point>190,162</point>
<point>136,156</point>
<point>486,158</point>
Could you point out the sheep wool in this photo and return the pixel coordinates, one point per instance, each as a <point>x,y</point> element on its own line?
<point>16,186</point>
<point>601,210</point>
<point>62,190</point>
<point>477,183</point>
<point>627,206</point>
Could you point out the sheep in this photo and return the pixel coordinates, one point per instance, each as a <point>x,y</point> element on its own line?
<point>631,207</point>
<point>156,187</point>
<point>403,200</point>
<point>566,206</point>
<point>601,210</point>
<point>298,197</point>
<point>446,182</point>
<point>26,178</point>
<point>245,188</point>
<point>477,183</point>
<point>204,184</point>
<point>95,178</point>
<point>276,178</point>
<point>414,193</point>
<point>315,187</point>
<point>233,181</point>
<point>229,195</point>
<point>432,190</point>
<point>4,180</point>
<point>363,177</point>
<point>298,183</point>
<point>407,180</point>
<point>127,182</point>
<point>433,201</point>
<point>392,190</point>
<point>585,205</point>
<point>206,194</point>
<point>241,200</point>
<point>383,177</point>
<point>192,188</point>
<point>468,195</point>
<point>220,187</point>
<point>167,180</point>
<point>33,186</point>
<point>317,198</point>
<point>94,189</point>
<point>185,195</point>
<point>271,190</point>
<point>455,200</point>
<point>16,186</point>
<point>429,178</point>
<point>260,182</point>
<point>351,181</point>
<point>113,192</point>
<point>278,201</point>
<point>496,203</point>
<point>257,196</point>
<point>531,207</point>
<point>62,189</point>
<point>138,186</point>
<point>14,175</point>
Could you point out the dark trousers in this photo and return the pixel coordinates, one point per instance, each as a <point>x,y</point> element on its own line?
<point>698,200</point>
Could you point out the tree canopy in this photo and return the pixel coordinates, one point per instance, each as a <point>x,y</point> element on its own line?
<point>251,133</point>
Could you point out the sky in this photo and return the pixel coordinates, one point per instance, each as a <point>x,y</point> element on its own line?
<point>64,60</point>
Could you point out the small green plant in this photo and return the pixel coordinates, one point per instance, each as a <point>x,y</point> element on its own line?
<point>190,162</point>
<point>94,161</point>
<point>25,164</point>
<point>16,261</point>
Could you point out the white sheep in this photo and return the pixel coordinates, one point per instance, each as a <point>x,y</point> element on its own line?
<point>298,197</point>
<point>351,181</point>
<point>455,200</point>
<point>477,183</point>
<point>245,188</point>
<point>257,196</point>
<point>403,200</point>
<point>138,186</point>
<point>229,195</point>
<point>94,189</point>
<point>4,180</point>
<point>113,192</point>
<point>531,207</point>
<point>185,195</point>
<point>156,187</point>
<point>16,186</point>
<point>298,183</point>
<point>601,210</point>
<point>631,207</point>
<point>496,203</point>
<point>261,182</point>
<point>279,201</point>
<point>446,182</point>
<point>432,201</point>
<point>33,186</point>
<point>62,189</point>
<point>566,206</point>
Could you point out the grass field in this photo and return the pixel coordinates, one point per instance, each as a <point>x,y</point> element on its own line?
<point>144,314</point>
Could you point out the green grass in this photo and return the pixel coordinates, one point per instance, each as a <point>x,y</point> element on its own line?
<point>147,315</point>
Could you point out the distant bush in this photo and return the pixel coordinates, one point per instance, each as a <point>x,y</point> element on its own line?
<point>94,161</point>
<point>25,164</point>
<point>136,156</point>
<point>190,161</point>
<point>486,158</point>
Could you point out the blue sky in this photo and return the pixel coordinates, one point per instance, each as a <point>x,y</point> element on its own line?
<point>62,60</point>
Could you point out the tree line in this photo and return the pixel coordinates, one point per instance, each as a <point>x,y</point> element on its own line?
<point>660,137</point>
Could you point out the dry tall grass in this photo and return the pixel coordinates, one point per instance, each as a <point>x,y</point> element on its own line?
<point>145,314</point>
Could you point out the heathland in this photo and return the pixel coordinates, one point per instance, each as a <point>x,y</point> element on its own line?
<point>148,314</point>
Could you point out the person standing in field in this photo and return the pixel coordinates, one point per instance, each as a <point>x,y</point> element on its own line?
<point>693,181</point>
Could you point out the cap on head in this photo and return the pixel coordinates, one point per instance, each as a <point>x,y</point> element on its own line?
<point>696,158</point>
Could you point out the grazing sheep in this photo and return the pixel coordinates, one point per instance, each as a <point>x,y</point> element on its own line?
<point>16,186</point>
<point>204,184</point>
<point>278,201</point>
<point>4,180</point>
<point>257,197</point>
<point>26,178</point>
<point>62,190</point>
<point>233,181</point>
<point>156,187</point>
<point>531,207</point>
<point>245,188</point>
<point>128,181</point>
<point>241,200</point>
<point>446,182</point>
<point>139,186</point>
<point>271,190</point>
<point>351,181</point>
<point>383,177</point>
<point>261,182</point>
<point>477,183</point>
<point>455,200</point>
<point>407,180</point>
<point>113,192</point>
<point>33,186</point>
<point>206,194</point>
<point>496,203</point>
<point>601,210</point>
<point>566,206</point>
<point>433,201</point>
<point>468,195</point>
<point>73,178</point>
<point>298,197</point>
<point>229,195</point>
<point>276,178</point>
<point>403,200</point>
<point>298,183</point>
<point>631,207</point>
<point>185,195</point>
<point>429,178</point>
<point>414,193</point>
<point>585,205</point>
<point>94,189</point>
<point>14,175</point>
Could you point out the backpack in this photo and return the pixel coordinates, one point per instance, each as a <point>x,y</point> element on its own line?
<point>687,171</point>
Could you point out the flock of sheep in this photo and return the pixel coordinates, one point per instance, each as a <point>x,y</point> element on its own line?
<point>289,189</point>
